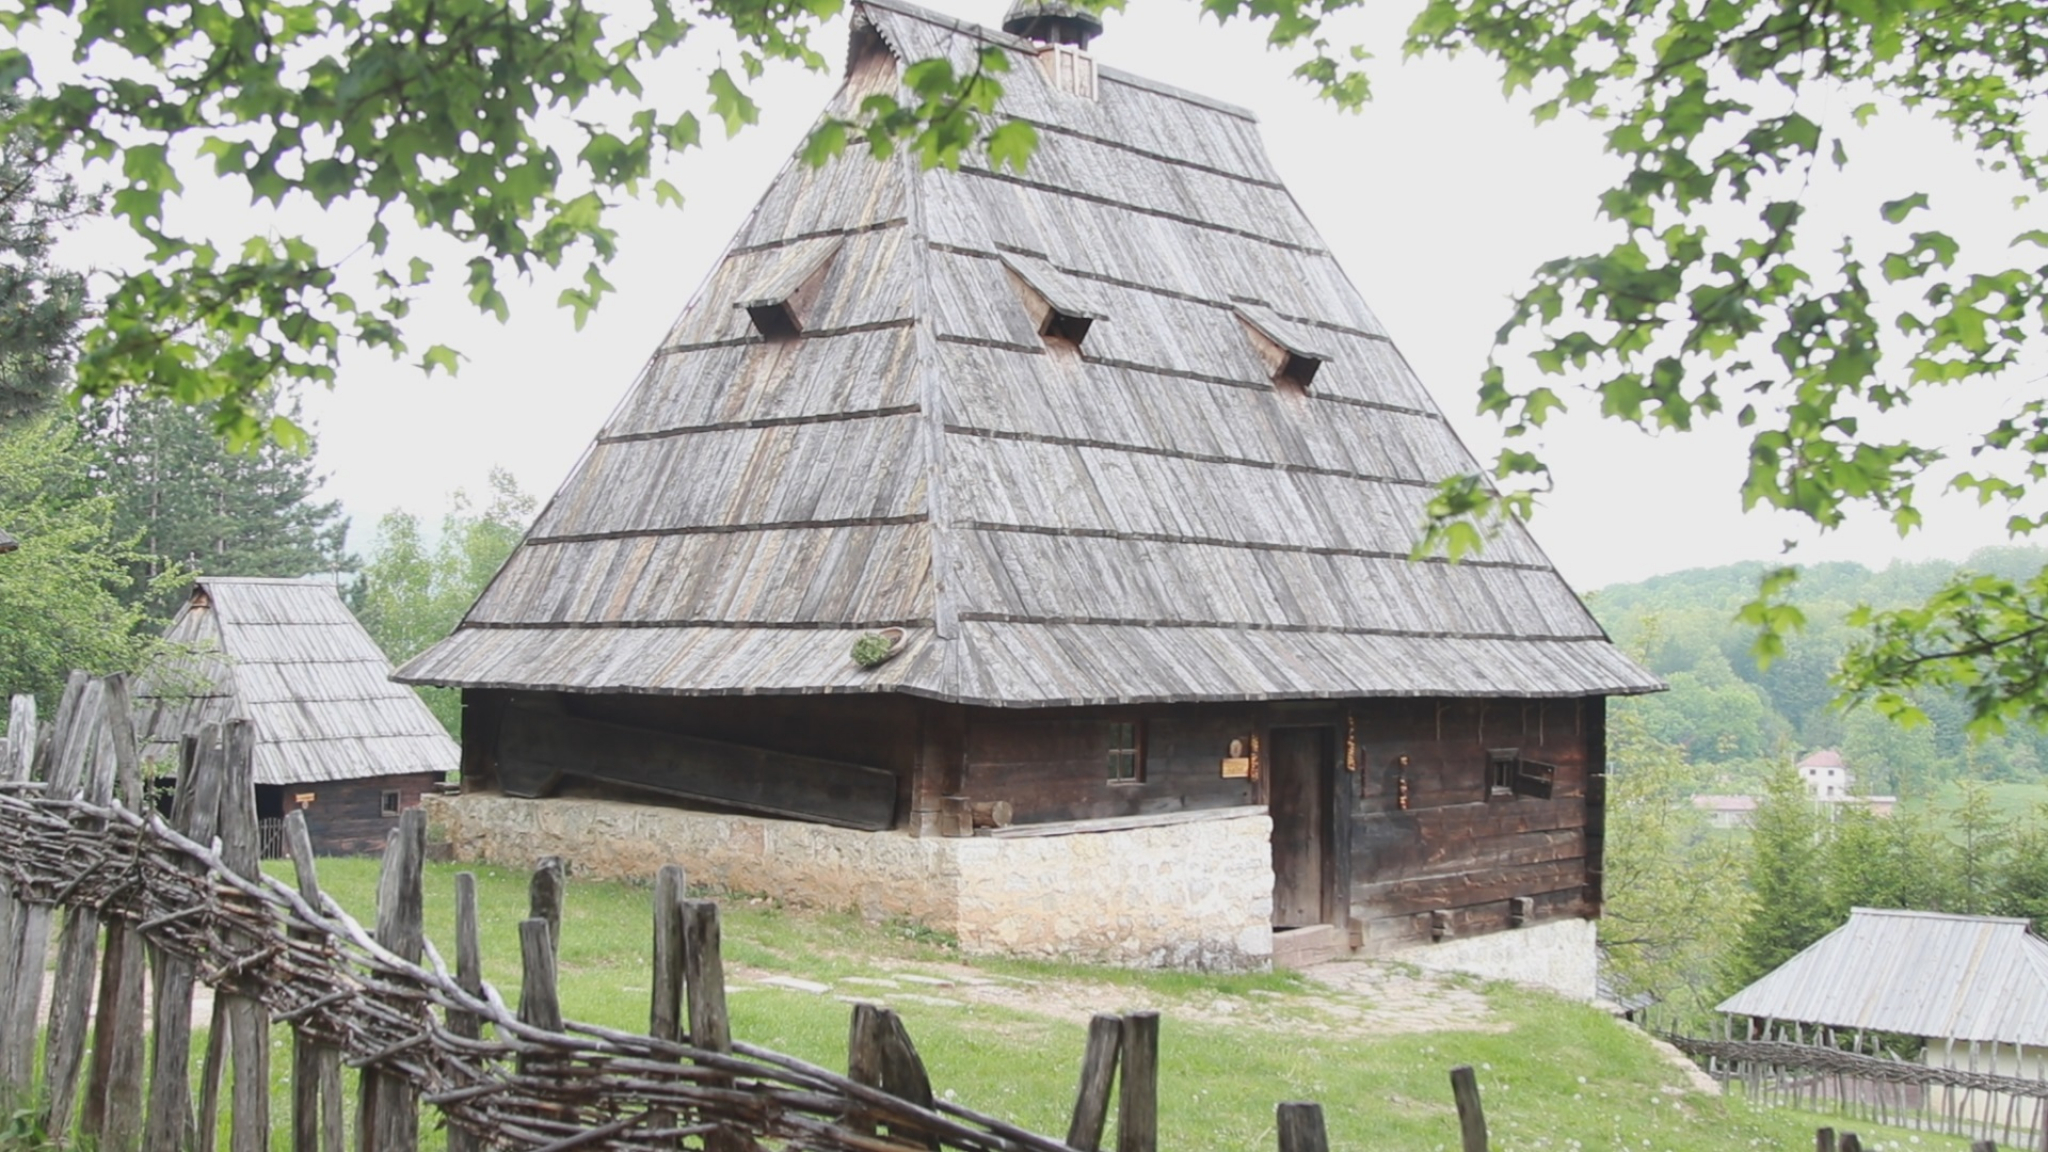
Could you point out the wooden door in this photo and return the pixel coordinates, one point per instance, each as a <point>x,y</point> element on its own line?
<point>1298,796</point>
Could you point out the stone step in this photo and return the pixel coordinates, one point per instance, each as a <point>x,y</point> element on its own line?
<point>1301,947</point>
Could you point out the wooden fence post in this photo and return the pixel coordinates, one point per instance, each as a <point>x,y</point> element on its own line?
<point>544,894</point>
<point>85,772</point>
<point>316,1067</point>
<point>29,934</point>
<point>469,973</point>
<point>1300,1127</point>
<point>540,1003</point>
<point>170,1126</point>
<point>112,1115</point>
<point>1137,1103</point>
<point>1850,1143</point>
<point>879,1054</point>
<point>666,1004</point>
<point>1098,1072</point>
<point>387,1118</point>
<point>1471,1117</point>
<point>1824,1140</point>
<point>704,992</point>
<point>248,1019</point>
<point>19,768</point>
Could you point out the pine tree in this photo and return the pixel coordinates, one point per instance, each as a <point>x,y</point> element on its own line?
<point>40,305</point>
<point>1789,892</point>
<point>189,500</point>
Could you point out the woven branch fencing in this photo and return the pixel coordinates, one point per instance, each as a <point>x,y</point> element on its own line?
<point>1883,1088</point>
<point>185,898</point>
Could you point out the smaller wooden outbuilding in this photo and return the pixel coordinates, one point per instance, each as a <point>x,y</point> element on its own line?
<point>1971,991</point>
<point>336,738</point>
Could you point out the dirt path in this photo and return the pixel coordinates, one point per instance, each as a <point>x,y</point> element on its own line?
<point>1350,998</point>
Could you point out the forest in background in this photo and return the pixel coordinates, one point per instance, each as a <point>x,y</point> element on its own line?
<point>1741,720</point>
<point>1696,912</point>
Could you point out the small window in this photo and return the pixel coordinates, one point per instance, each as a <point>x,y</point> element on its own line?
<point>389,803</point>
<point>1503,764</point>
<point>1126,752</point>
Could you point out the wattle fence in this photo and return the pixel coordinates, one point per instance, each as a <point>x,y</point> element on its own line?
<point>184,898</point>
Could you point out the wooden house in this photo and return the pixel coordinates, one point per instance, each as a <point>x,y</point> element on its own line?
<point>335,737</point>
<point>1111,463</point>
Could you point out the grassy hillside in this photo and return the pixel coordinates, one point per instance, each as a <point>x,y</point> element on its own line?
<point>1006,1036</point>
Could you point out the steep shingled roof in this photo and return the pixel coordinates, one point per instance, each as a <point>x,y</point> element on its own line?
<point>1149,517</point>
<point>288,655</point>
<point>1914,973</point>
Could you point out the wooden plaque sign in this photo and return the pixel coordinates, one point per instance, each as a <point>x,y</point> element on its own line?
<point>1237,767</point>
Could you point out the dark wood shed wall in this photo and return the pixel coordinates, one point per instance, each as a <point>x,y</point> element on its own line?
<point>348,817</point>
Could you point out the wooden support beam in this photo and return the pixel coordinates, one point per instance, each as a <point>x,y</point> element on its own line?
<point>536,750</point>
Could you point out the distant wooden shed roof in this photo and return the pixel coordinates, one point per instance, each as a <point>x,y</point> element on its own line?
<point>1147,517</point>
<point>1916,974</point>
<point>290,656</point>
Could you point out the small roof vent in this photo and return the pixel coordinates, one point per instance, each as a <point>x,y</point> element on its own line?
<point>1291,351</point>
<point>1053,22</point>
<point>780,297</point>
<point>1059,307</point>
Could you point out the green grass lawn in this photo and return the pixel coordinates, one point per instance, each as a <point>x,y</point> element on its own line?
<point>1556,1076</point>
<point>2008,799</point>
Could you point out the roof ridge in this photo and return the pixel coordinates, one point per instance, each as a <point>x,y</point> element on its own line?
<point>1022,44</point>
<point>1929,914</point>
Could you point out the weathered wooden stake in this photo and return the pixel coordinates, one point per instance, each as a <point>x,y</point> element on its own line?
<point>544,895</point>
<point>1471,1117</point>
<point>316,1067</point>
<point>22,954</point>
<point>469,973</point>
<point>1098,1074</point>
<point>1824,1140</point>
<point>1300,1127</point>
<point>704,993</point>
<point>1983,1146</point>
<point>1137,1104</point>
<point>248,1019</point>
<point>18,768</point>
<point>1850,1143</point>
<point>540,1003</point>
<point>387,1116</point>
<point>879,1053</point>
<point>170,1127</point>
<point>112,1113</point>
<point>85,771</point>
<point>665,1009</point>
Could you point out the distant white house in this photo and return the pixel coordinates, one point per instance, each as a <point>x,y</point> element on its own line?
<point>1828,781</point>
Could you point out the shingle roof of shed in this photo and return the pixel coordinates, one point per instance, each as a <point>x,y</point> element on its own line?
<point>1150,519</point>
<point>288,655</point>
<point>1915,974</point>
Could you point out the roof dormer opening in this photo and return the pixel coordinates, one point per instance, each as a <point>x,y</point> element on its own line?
<point>779,301</point>
<point>1291,353</point>
<point>1059,309</point>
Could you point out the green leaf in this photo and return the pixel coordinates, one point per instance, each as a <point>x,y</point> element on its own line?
<point>1897,210</point>
<point>1011,145</point>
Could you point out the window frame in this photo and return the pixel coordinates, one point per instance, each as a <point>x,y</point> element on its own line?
<point>390,802</point>
<point>1135,750</point>
<point>1502,766</point>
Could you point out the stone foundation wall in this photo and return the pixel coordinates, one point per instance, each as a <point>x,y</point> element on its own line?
<point>1197,894</point>
<point>1560,955</point>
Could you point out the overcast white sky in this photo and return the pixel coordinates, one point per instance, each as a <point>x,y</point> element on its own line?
<point>1439,199</point>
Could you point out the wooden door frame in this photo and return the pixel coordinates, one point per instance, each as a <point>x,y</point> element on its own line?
<point>1339,790</point>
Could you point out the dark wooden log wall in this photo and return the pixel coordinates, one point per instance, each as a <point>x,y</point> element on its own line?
<point>1459,846</point>
<point>347,817</point>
